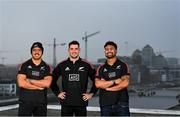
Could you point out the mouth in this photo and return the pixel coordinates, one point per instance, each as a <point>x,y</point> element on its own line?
<point>74,54</point>
<point>36,54</point>
<point>109,53</point>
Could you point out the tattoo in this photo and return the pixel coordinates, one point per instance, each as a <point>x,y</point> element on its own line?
<point>126,77</point>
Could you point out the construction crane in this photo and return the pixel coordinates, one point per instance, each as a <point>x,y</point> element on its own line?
<point>54,50</point>
<point>2,57</point>
<point>85,38</point>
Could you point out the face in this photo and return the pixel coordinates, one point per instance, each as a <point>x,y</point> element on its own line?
<point>74,51</point>
<point>110,51</point>
<point>36,53</point>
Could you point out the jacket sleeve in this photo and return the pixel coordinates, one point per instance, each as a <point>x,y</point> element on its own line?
<point>92,73</point>
<point>54,86</point>
<point>125,70</point>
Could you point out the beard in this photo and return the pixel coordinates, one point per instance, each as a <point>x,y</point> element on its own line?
<point>74,57</point>
<point>110,56</point>
<point>37,58</point>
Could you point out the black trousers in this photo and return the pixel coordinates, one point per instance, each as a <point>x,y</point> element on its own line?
<point>32,109</point>
<point>73,110</point>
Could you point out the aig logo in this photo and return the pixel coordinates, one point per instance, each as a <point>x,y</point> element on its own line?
<point>112,74</point>
<point>35,73</point>
<point>73,77</point>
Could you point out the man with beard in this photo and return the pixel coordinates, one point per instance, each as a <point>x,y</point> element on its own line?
<point>74,72</point>
<point>112,78</point>
<point>33,78</point>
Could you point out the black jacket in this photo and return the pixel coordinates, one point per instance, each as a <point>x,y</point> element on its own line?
<point>74,81</point>
<point>33,71</point>
<point>107,72</point>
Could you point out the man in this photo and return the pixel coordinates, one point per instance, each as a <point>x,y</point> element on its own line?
<point>74,73</point>
<point>113,80</point>
<point>33,78</point>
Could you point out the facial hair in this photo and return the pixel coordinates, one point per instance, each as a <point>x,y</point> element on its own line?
<point>111,56</point>
<point>74,57</point>
<point>35,58</point>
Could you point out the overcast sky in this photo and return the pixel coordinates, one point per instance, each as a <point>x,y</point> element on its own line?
<point>130,23</point>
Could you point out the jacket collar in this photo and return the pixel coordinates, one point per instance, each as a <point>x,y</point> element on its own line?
<point>115,63</point>
<point>75,61</point>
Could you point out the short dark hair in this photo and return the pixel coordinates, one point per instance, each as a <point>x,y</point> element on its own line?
<point>73,43</point>
<point>111,43</point>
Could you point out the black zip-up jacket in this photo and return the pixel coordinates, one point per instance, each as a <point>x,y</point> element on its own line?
<point>33,71</point>
<point>108,72</point>
<point>74,81</point>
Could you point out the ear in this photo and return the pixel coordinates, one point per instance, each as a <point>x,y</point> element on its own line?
<point>115,51</point>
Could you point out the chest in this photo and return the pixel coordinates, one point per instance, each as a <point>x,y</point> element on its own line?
<point>74,69</point>
<point>74,72</point>
<point>35,72</point>
<point>111,72</point>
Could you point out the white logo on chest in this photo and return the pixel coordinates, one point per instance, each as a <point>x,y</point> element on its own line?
<point>118,67</point>
<point>35,73</point>
<point>105,70</point>
<point>73,77</point>
<point>42,68</point>
<point>111,74</point>
<point>30,67</point>
<point>67,69</point>
<point>81,68</point>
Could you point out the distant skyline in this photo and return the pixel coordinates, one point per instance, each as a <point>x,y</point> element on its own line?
<point>132,24</point>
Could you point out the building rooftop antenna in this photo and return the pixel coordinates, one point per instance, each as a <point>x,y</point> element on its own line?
<point>85,38</point>
<point>54,50</point>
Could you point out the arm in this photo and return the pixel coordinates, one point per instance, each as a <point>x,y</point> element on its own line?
<point>47,78</point>
<point>23,83</point>
<point>99,81</point>
<point>93,89</point>
<point>54,87</point>
<point>44,83</point>
<point>103,84</point>
<point>121,84</point>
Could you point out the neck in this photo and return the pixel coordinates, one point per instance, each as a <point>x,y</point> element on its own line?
<point>74,59</point>
<point>111,61</point>
<point>36,62</point>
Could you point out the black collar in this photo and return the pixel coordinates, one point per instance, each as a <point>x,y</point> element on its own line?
<point>35,64</point>
<point>75,61</point>
<point>115,63</point>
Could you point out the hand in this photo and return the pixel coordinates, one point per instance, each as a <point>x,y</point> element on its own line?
<point>41,88</point>
<point>62,95</point>
<point>28,80</point>
<point>87,96</point>
<point>117,81</point>
<point>102,79</point>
